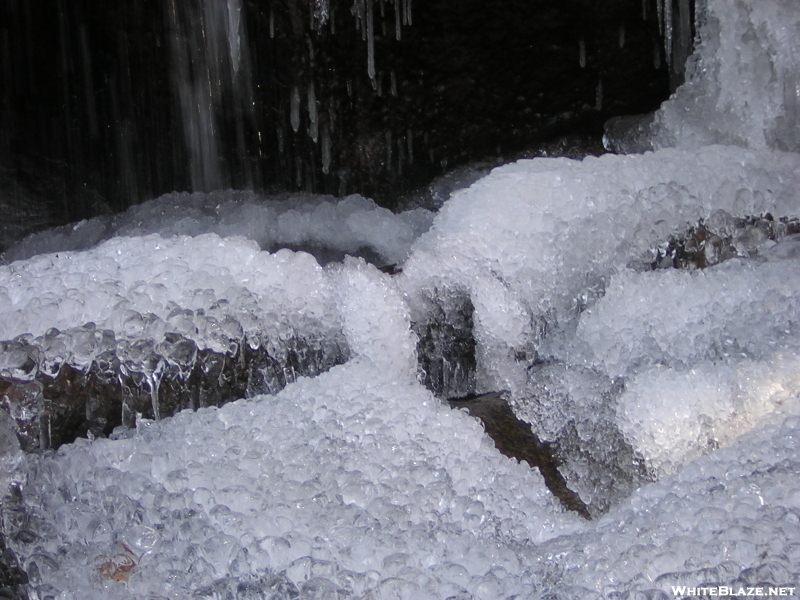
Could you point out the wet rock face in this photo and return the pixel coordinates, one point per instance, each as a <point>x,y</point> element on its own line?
<point>94,113</point>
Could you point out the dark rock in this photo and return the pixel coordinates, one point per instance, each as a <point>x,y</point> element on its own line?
<point>515,439</point>
<point>153,381</point>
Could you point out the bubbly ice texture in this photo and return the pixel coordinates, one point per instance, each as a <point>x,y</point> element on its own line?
<point>364,485</point>
<point>742,80</point>
<point>326,226</point>
<point>359,483</point>
<point>535,242</point>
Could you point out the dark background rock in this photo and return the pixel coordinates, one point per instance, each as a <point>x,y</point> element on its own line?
<point>90,117</point>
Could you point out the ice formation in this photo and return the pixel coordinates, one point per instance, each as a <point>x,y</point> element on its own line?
<point>742,84</point>
<point>671,395</point>
<point>323,225</point>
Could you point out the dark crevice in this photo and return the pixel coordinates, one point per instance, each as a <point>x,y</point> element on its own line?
<point>515,439</point>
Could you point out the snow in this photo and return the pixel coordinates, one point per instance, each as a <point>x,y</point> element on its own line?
<point>673,395</point>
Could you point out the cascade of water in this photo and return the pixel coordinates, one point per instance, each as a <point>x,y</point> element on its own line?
<point>211,75</point>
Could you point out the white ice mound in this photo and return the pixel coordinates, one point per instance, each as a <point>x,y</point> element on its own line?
<point>742,83</point>
<point>212,291</point>
<point>737,309</point>
<point>671,416</point>
<point>327,226</point>
<point>146,286</point>
<point>534,242</point>
<point>353,482</point>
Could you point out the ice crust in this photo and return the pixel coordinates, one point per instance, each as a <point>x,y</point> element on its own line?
<point>672,396</point>
<point>742,80</point>
<point>536,241</point>
<point>326,226</point>
<point>367,487</point>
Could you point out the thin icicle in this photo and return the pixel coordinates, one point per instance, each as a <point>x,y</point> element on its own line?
<point>370,42</point>
<point>397,19</point>
<point>295,109</point>
<point>326,150</point>
<point>622,36</point>
<point>582,53</point>
<point>408,13</point>
<point>234,40</point>
<point>660,13</point>
<point>668,31</point>
<point>313,120</point>
<point>271,22</point>
<point>393,83</point>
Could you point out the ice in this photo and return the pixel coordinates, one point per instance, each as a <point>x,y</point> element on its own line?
<point>565,227</point>
<point>320,224</point>
<point>741,82</point>
<point>670,396</point>
<point>367,460</point>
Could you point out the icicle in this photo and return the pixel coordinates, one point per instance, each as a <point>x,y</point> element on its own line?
<point>660,13</point>
<point>271,22</point>
<point>295,111</point>
<point>359,13</point>
<point>383,9</point>
<point>370,42</point>
<point>401,150</point>
<point>326,150</point>
<point>349,88</point>
<point>409,137</point>
<point>582,53</point>
<point>598,102</point>
<point>331,20</point>
<point>408,13</point>
<point>280,139</point>
<point>234,41</point>
<point>644,10</point>
<point>668,31</point>
<point>393,83</point>
<point>313,127</point>
<point>622,36</point>
<point>397,19</point>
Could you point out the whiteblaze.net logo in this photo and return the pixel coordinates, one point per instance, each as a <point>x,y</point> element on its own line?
<point>731,591</point>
